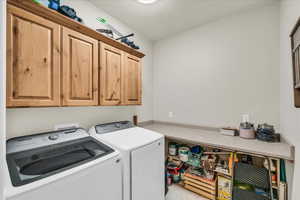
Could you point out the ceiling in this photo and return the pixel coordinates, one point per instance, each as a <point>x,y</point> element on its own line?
<point>167,17</point>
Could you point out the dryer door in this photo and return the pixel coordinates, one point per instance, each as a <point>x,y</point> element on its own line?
<point>147,171</point>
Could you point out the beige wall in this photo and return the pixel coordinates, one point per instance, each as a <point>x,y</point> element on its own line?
<point>213,74</point>
<point>32,120</point>
<point>289,115</point>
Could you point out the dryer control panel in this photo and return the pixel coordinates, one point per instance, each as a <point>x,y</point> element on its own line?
<point>114,126</point>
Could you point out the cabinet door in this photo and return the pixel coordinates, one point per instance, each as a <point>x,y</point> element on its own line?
<point>110,75</point>
<point>33,60</point>
<point>296,57</point>
<point>80,69</point>
<point>132,80</point>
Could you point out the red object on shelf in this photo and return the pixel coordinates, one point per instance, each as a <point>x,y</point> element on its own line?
<point>174,170</point>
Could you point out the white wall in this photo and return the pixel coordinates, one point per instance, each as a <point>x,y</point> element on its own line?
<point>289,115</point>
<point>31,120</point>
<point>213,74</point>
<point>2,94</point>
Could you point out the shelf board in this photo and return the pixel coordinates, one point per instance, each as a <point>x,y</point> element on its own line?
<point>58,18</point>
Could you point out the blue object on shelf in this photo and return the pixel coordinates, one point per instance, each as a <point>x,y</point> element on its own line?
<point>196,149</point>
<point>261,192</point>
<point>54,4</point>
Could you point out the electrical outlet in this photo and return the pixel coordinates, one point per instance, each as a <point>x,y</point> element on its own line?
<point>65,126</point>
<point>171,114</point>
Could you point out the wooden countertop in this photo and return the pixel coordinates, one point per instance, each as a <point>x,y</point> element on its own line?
<point>212,137</point>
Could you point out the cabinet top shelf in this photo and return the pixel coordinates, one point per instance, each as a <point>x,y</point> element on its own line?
<point>56,17</point>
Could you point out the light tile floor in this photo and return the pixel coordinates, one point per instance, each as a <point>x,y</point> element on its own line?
<point>179,193</point>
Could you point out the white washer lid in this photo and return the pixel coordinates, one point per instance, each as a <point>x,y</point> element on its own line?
<point>131,138</point>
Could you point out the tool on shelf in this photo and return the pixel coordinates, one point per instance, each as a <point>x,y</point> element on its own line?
<point>107,32</point>
<point>54,4</point>
<point>69,12</point>
<point>123,38</point>
<point>126,36</point>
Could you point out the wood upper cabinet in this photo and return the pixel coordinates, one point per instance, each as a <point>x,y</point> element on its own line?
<point>55,61</point>
<point>111,60</point>
<point>80,69</point>
<point>295,44</point>
<point>132,80</point>
<point>296,57</point>
<point>33,60</point>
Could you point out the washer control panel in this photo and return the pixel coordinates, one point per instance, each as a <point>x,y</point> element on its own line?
<point>114,126</point>
<point>44,139</point>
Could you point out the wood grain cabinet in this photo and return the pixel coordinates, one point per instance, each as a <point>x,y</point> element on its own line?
<point>33,60</point>
<point>120,77</point>
<point>55,61</point>
<point>296,58</point>
<point>132,80</point>
<point>80,69</point>
<point>295,44</point>
<point>111,69</point>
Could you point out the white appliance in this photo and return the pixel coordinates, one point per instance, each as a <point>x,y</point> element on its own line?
<point>63,165</point>
<point>143,157</point>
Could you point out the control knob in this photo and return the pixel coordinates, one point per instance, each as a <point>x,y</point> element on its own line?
<point>53,137</point>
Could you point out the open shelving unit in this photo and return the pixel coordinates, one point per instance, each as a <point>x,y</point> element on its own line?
<point>255,174</point>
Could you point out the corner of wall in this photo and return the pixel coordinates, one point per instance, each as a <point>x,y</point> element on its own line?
<point>2,94</point>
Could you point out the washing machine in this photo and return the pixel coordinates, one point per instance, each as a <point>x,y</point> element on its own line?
<point>142,153</point>
<point>63,165</point>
